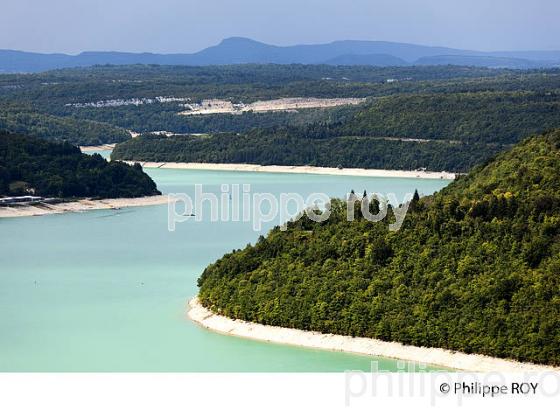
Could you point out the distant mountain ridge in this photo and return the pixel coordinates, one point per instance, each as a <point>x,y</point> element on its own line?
<point>239,50</point>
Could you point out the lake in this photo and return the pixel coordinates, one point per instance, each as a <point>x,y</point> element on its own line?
<point>107,290</point>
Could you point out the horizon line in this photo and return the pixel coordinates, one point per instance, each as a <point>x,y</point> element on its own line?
<point>75,54</point>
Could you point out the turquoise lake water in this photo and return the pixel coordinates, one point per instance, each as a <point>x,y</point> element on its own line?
<point>107,290</point>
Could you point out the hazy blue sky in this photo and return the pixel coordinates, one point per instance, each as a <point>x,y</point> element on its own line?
<point>189,25</point>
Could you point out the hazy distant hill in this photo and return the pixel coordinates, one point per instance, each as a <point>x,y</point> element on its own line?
<point>481,61</point>
<point>237,50</point>
<point>381,60</point>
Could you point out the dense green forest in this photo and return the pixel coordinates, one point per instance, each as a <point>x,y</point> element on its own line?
<point>165,117</point>
<point>474,268</point>
<point>51,92</point>
<point>34,165</point>
<point>44,104</point>
<point>245,81</point>
<point>458,131</point>
<point>23,120</point>
<point>486,116</point>
<point>288,147</point>
<point>483,117</point>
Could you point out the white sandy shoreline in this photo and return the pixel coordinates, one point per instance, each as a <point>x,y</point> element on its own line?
<point>358,345</point>
<point>103,147</point>
<point>360,172</point>
<point>80,206</point>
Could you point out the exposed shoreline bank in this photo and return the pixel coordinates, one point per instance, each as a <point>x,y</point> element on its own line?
<point>80,206</point>
<point>90,148</point>
<point>358,172</point>
<point>357,345</point>
<point>218,106</point>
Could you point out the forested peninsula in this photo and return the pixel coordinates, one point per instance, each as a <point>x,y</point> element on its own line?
<point>32,165</point>
<point>475,267</point>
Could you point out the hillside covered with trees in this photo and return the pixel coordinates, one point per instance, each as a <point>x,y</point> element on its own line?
<point>89,106</point>
<point>474,268</point>
<point>292,146</point>
<point>437,131</point>
<point>59,169</point>
<point>22,120</point>
<point>482,117</point>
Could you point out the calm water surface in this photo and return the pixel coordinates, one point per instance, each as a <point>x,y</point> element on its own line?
<point>107,290</point>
